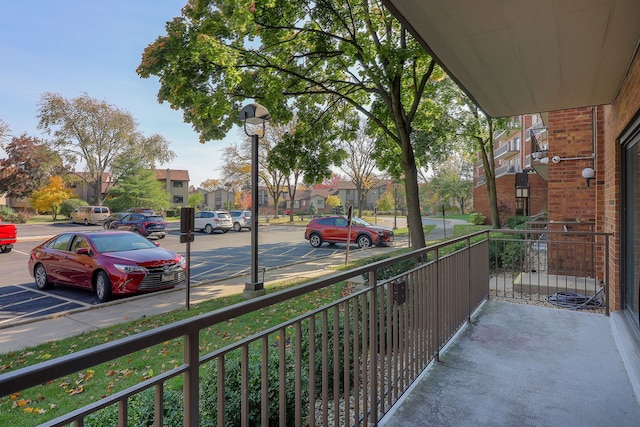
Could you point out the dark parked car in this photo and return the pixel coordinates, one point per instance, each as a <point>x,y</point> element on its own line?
<point>113,217</point>
<point>334,229</point>
<point>149,226</point>
<point>241,219</point>
<point>109,262</point>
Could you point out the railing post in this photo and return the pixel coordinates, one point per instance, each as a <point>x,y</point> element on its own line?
<point>191,379</point>
<point>606,274</point>
<point>469,274</point>
<point>373,346</point>
<point>436,333</point>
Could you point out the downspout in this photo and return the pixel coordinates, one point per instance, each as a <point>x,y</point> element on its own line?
<point>594,118</point>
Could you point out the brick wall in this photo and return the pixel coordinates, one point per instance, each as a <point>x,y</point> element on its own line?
<point>617,117</point>
<point>505,186</point>
<point>571,135</point>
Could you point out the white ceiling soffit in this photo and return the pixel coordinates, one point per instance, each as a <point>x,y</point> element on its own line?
<point>528,56</point>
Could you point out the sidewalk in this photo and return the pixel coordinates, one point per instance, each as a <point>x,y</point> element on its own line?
<point>32,332</point>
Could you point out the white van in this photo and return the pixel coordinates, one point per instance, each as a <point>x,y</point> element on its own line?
<point>86,215</point>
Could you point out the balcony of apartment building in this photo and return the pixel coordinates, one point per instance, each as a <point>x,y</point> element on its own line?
<point>508,169</point>
<point>500,327</point>
<point>508,149</point>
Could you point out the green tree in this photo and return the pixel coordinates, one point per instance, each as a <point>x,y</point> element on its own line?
<point>100,136</point>
<point>138,188</point>
<point>475,131</point>
<point>51,196</point>
<point>28,166</point>
<point>453,180</point>
<point>196,200</point>
<point>303,150</point>
<point>386,201</point>
<point>333,56</point>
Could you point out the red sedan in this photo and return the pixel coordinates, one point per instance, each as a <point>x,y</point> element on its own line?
<point>108,262</point>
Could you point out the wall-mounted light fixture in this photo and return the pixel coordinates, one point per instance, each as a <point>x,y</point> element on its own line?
<point>588,174</point>
<point>558,159</point>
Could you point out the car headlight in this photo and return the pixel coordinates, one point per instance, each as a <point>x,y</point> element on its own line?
<point>123,268</point>
<point>183,262</point>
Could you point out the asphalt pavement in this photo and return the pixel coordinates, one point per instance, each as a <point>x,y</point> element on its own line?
<point>34,331</point>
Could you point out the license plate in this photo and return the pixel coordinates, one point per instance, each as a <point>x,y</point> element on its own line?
<point>168,277</point>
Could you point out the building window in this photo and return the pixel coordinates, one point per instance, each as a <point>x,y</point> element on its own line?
<point>177,184</point>
<point>178,199</point>
<point>516,143</point>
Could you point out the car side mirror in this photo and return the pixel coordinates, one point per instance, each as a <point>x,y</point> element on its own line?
<point>83,251</point>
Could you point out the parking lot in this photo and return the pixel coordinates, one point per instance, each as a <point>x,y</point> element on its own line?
<point>214,257</point>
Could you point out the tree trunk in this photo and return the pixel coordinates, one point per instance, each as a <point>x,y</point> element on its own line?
<point>414,217</point>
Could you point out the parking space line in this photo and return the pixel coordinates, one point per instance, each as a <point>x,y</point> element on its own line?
<point>49,294</point>
<point>33,313</point>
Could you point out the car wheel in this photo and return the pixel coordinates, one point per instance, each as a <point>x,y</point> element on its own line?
<point>103,286</point>
<point>208,229</point>
<point>364,241</point>
<point>86,221</point>
<point>161,236</point>
<point>113,227</point>
<point>315,240</point>
<point>236,226</point>
<point>40,274</point>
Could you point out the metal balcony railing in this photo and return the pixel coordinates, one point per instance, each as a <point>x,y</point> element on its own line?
<point>368,346</point>
<point>344,363</point>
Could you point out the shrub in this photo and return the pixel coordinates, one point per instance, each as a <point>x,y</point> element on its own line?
<point>478,219</point>
<point>140,411</point>
<point>232,389</point>
<point>517,222</point>
<point>506,251</point>
<point>312,209</point>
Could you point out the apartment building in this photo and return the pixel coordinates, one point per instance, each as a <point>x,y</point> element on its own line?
<point>521,188</point>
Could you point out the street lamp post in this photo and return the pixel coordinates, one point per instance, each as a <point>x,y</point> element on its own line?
<point>395,205</point>
<point>254,114</point>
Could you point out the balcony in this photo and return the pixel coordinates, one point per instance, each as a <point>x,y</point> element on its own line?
<point>443,308</point>
<point>507,150</point>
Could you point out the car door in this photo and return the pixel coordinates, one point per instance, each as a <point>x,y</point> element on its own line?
<point>341,230</point>
<point>200,221</point>
<point>123,223</point>
<point>78,268</point>
<point>54,258</point>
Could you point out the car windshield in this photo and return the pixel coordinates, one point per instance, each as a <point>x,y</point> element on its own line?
<point>223,215</point>
<point>359,221</point>
<point>110,242</point>
<point>154,218</point>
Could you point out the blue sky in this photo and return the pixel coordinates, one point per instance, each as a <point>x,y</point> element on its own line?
<point>71,47</point>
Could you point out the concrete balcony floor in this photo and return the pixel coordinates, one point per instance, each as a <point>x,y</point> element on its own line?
<point>526,365</point>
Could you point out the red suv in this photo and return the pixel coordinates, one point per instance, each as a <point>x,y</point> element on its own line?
<point>334,229</point>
